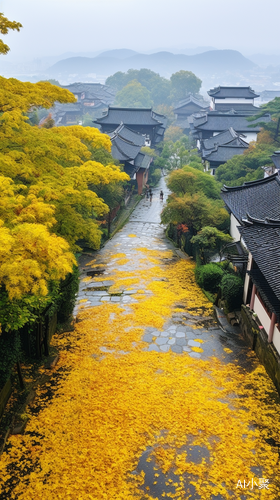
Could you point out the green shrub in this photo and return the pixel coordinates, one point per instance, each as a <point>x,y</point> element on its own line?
<point>209,276</point>
<point>226,266</point>
<point>232,290</point>
<point>68,289</point>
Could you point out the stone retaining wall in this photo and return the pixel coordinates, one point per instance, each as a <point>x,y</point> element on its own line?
<point>257,339</point>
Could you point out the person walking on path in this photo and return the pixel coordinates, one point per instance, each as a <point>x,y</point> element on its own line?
<point>151,196</point>
<point>161,195</point>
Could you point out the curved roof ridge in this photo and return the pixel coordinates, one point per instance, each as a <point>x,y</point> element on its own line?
<point>121,151</point>
<point>265,180</point>
<point>263,222</point>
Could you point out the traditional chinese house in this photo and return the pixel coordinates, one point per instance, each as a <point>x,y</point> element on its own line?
<point>186,107</point>
<point>259,198</point>
<point>67,114</point>
<point>210,124</point>
<point>262,283</point>
<point>222,147</point>
<point>91,97</point>
<point>255,225</point>
<point>126,147</point>
<point>144,121</point>
<point>241,99</point>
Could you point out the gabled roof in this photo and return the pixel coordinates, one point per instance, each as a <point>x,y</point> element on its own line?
<point>130,116</point>
<point>128,135</point>
<point>222,138</point>
<point>259,198</point>
<point>124,151</point>
<point>190,100</point>
<point>218,122</point>
<point>232,92</point>
<point>126,147</point>
<point>262,238</point>
<point>221,154</point>
<point>142,161</point>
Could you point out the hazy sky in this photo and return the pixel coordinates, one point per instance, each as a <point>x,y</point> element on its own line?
<point>53,27</point>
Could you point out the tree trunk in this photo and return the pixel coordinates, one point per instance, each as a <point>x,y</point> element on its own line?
<point>46,339</point>
<point>20,377</point>
<point>38,340</point>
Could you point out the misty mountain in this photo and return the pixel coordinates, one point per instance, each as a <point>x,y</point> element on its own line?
<point>196,50</point>
<point>119,53</point>
<point>165,63</point>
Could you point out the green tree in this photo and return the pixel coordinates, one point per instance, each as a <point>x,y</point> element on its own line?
<point>134,95</point>
<point>273,108</point>
<point>53,81</point>
<point>173,133</point>
<point>210,238</point>
<point>5,27</point>
<point>156,84</point>
<point>246,167</point>
<point>119,80</point>
<point>195,211</point>
<point>166,110</point>
<point>182,83</point>
<point>190,180</point>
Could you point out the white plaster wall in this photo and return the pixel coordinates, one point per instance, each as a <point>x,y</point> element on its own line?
<point>276,339</point>
<point>250,136</point>
<point>262,314</point>
<point>234,100</point>
<point>247,278</point>
<point>233,228</point>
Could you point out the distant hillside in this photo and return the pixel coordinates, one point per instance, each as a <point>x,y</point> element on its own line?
<point>165,63</point>
<point>118,53</point>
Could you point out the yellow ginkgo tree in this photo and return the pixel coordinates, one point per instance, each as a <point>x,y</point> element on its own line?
<point>48,198</point>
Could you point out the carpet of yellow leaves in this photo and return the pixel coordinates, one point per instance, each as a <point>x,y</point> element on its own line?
<point>109,406</point>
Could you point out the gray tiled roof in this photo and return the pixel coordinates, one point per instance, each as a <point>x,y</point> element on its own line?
<point>232,92</point>
<point>160,118</point>
<point>142,161</point>
<point>128,135</point>
<point>222,138</point>
<point>259,198</point>
<point>262,238</point>
<point>221,154</point>
<point>92,91</point>
<point>190,99</point>
<point>218,122</point>
<point>123,150</point>
<point>130,116</point>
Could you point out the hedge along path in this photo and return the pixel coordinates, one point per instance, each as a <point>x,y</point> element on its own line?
<point>115,399</point>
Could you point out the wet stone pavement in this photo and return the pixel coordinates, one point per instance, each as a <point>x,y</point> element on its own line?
<point>182,334</point>
<point>145,225</point>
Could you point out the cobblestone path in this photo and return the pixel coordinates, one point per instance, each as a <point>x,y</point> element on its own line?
<point>153,400</point>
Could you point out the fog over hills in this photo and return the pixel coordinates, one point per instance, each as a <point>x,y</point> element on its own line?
<point>165,63</point>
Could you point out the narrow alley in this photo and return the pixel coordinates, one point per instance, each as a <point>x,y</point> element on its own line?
<point>152,399</point>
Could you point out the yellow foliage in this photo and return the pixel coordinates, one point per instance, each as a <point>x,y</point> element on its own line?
<point>48,180</point>
<point>110,407</point>
<point>30,256</point>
